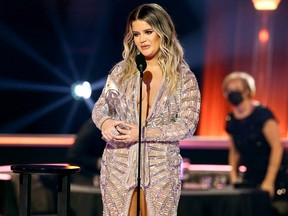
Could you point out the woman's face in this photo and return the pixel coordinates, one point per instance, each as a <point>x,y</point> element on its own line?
<point>235,92</point>
<point>146,39</point>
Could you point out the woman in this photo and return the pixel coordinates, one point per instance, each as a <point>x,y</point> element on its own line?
<point>171,106</point>
<point>255,139</point>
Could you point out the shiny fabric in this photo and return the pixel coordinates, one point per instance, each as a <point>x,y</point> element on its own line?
<point>173,117</point>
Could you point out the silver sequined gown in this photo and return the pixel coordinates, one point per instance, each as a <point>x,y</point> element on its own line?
<point>175,116</point>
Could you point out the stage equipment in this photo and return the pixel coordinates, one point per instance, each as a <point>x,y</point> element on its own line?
<point>81,90</point>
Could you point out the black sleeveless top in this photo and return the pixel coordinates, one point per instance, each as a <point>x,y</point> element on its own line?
<point>253,147</point>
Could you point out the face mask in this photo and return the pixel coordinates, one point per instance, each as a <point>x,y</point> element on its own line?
<point>235,98</point>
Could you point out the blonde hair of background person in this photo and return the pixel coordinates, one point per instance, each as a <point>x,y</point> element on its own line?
<point>247,80</point>
<point>171,107</point>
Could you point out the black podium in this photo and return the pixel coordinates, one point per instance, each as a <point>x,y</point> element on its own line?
<point>63,172</point>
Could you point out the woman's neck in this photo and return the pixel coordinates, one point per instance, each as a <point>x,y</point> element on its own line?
<point>153,66</point>
<point>152,62</point>
<point>244,109</point>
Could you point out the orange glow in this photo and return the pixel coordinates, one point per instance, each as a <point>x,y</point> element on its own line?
<point>259,59</point>
<point>266,4</point>
<point>263,35</point>
<point>37,140</point>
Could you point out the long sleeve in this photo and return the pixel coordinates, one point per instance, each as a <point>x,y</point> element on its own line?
<point>184,123</point>
<point>104,109</point>
<point>100,110</point>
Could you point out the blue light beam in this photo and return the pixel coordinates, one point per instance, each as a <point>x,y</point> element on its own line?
<point>99,84</point>
<point>11,38</point>
<point>18,124</point>
<point>23,85</point>
<point>101,31</point>
<point>90,104</point>
<point>68,122</point>
<point>52,13</point>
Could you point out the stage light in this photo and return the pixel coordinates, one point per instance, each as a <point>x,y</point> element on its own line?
<point>266,4</point>
<point>81,90</point>
<point>263,35</point>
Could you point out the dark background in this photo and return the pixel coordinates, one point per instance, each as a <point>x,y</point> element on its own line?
<point>47,45</point>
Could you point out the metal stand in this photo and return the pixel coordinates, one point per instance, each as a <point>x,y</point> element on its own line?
<point>141,65</point>
<point>139,145</point>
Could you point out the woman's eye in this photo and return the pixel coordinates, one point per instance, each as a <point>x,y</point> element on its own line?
<point>135,34</point>
<point>149,32</point>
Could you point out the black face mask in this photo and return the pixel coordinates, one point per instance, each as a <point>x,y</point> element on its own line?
<point>235,98</point>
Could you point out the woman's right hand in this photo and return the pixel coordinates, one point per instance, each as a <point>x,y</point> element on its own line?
<point>108,129</point>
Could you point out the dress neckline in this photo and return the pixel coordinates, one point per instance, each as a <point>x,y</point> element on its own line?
<point>253,110</point>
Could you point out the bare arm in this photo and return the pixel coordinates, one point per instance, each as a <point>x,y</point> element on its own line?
<point>233,160</point>
<point>271,133</point>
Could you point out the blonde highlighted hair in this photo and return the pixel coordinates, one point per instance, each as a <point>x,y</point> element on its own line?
<point>171,52</point>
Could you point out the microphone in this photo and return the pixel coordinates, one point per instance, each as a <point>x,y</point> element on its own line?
<point>141,62</point>
<point>141,65</point>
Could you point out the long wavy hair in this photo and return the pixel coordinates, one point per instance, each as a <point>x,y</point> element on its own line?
<point>171,52</point>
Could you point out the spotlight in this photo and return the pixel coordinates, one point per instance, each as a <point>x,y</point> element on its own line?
<point>266,4</point>
<point>263,35</point>
<point>81,90</point>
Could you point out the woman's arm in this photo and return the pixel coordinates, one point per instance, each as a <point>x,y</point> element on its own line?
<point>101,114</point>
<point>271,133</point>
<point>186,122</point>
<point>233,160</point>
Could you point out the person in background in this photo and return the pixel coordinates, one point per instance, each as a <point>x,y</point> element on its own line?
<point>171,107</point>
<point>86,152</point>
<point>255,141</point>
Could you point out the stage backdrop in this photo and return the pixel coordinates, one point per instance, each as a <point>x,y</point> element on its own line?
<point>233,44</point>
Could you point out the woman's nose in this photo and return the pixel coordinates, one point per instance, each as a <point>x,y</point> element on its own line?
<point>142,38</point>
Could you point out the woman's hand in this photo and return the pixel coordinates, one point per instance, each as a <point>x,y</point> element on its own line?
<point>108,129</point>
<point>128,133</point>
<point>269,187</point>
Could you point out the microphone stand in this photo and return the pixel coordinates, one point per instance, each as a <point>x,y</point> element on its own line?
<point>139,144</point>
<point>141,65</point>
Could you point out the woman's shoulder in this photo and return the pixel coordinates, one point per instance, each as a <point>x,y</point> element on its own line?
<point>118,67</point>
<point>187,73</point>
<point>185,69</point>
<point>262,113</point>
<point>263,110</point>
<point>117,70</point>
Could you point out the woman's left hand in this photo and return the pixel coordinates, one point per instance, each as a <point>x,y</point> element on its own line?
<point>128,133</point>
<point>269,187</point>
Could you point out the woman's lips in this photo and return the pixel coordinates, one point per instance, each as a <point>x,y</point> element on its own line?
<point>145,47</point>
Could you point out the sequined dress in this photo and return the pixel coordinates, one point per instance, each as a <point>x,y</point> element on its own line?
<point>175,116</point>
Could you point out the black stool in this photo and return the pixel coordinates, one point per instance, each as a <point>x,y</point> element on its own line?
<point>63,186</point>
